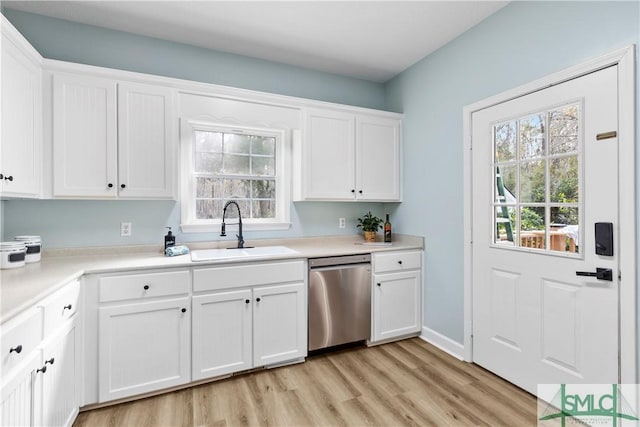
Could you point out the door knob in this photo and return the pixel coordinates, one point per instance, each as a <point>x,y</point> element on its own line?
<point>600,274</point>
<point>17,349</point>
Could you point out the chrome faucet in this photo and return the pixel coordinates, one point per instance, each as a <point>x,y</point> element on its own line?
<point>223,229</point>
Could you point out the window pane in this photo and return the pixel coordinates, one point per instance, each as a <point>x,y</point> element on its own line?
<point>563,130</point>
<point>505,142</point>
<point>563,175</point>
<point>209,188</point>
<point>264,209</point>
<point>564,215</point>
<point>207,162</point>
<point>532,227</point>
<point>237,188</point>
<point>263,145</point>
<point>208,141</point>
<point>264,189</point>
<point>505,184</point>
<point>232,212</point>
<point>532,187</point>
<point>532,136</point>
<point>505,225</point>
<point>236,143</point>
<point>263,166</point>
<point>235,165</point>
<point>209,209</point>
<point>565,229</point>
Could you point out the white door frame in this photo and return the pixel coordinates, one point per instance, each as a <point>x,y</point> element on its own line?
<point>624,59</point>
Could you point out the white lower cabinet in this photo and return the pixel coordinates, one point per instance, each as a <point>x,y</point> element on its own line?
<point>239,328</point>
<point>143,347</point>
<point>279,323</point>
<point>396,295</point>
<point>60,385</point>
<point>16,406</point>
<point>222,317</point>
<point>41,387</point>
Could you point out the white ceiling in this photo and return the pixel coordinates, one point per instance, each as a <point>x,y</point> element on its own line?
<point>373,40</point>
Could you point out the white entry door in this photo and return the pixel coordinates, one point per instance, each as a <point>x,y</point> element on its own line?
<point>544,173</point>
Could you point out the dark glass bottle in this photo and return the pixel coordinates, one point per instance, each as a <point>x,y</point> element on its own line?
<point>387,230</point>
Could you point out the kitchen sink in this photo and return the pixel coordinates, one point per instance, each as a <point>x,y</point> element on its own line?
<point>233,253</point>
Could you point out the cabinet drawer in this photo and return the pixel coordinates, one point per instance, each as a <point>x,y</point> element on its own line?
<point>396,261</point>
<point>147,285</point>
<point>61,306</point>
<point>208,279</point>
<point>21,334</point>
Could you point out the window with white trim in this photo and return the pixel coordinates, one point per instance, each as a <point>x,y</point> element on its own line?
<point>247,165</point>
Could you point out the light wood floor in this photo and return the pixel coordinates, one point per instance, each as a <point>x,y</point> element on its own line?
<point>407,383</point>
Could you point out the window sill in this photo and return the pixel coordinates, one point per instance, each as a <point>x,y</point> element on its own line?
<point>215,227</point>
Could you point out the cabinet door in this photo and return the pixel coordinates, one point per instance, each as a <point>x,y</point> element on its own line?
<point>378,159</point>
<point>18,388</point>
<point>279,323</point>
<point>84,136</point>
<point>146,148</point>
<point>60,391</point>
<point>396,304</point>
<point>21,109</point>
<point>143,347</point>
<point>222,333</point>
<point>329,155</point>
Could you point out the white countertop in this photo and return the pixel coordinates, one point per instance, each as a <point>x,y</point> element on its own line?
<point>21,288</point>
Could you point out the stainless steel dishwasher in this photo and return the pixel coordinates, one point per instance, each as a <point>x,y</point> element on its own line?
<point>339,300</point>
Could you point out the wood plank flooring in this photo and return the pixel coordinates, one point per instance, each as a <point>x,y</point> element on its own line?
<point>406,383</point>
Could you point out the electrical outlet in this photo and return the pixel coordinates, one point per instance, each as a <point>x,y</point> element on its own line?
<point>125,229</point>
<point>342,223</point>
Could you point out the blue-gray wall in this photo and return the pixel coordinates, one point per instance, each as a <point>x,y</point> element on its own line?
<point>522,42</point>
<point>87,44</point>
<point>63,223</point>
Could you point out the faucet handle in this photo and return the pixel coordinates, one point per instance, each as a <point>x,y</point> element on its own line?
<point>223,231</point>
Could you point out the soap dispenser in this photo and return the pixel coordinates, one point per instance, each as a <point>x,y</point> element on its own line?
<point>169,239</point>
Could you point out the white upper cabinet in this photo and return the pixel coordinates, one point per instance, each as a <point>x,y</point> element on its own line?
<point>20,164</point>
<point>377,158</point>
<point>145,148</point>
<point>349,156</point>
<point>84,136</point>
<point>111,139</point>
<point>329,155</point>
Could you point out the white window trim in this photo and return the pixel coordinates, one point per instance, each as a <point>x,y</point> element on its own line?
<point>187,191</point>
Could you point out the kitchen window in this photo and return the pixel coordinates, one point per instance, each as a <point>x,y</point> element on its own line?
<point>247,165</point>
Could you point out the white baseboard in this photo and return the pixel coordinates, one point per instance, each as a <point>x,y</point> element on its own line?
<point>445,344</point>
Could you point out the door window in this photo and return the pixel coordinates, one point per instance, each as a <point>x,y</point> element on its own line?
<point>538,170</point>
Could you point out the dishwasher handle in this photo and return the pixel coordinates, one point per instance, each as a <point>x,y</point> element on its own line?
<point>339,267</point>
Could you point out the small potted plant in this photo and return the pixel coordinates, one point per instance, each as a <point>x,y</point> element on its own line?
<point>370,225</point>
